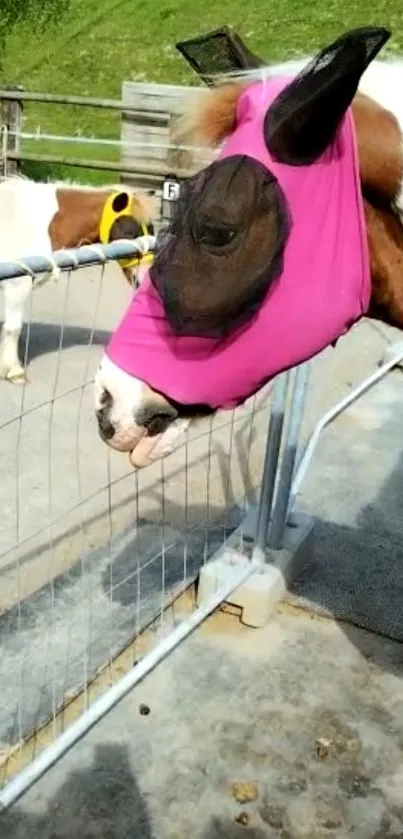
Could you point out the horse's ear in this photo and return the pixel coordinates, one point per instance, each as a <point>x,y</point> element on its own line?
<point>303,119</point>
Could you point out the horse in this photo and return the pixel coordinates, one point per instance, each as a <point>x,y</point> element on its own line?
<point>38,218</point>
<point>290,236</point>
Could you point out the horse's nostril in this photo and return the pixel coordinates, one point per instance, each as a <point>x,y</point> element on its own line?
<point>106,428</point>
<point>155,418</point>
<point>105,399</point>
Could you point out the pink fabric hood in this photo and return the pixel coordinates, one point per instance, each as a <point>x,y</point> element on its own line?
<point>323,289</point>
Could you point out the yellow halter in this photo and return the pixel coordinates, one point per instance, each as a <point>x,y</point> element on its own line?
<point>108,218</point>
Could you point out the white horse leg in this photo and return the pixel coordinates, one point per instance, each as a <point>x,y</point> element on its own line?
<point>16,291</point>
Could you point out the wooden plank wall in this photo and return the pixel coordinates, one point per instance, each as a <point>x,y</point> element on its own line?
<point>150,137</point>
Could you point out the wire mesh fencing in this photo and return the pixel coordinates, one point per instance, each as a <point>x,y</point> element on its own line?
<point>95,559</point>
<point>97,562</point>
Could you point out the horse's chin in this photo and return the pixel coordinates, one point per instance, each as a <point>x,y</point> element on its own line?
<point>150,449</point>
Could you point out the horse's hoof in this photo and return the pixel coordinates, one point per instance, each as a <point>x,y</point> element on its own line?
<point>17,376</point>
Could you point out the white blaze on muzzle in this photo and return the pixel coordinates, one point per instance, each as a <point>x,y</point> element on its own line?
<point>125,398</point>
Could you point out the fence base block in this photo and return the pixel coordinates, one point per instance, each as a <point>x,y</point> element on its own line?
<point>392,350</point>
<point>259,595</point>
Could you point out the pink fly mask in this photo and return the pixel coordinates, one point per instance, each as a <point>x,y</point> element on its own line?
<point>266,260</point>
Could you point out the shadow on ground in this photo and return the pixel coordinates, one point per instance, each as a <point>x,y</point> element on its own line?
<point>356,574</point>
<point>102,801</point>
<point>47,338</point>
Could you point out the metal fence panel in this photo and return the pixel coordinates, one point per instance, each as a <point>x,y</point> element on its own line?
<point>97,562</point>
<point>94,557</point>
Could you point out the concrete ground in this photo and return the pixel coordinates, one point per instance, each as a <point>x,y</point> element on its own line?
<point>300,717</point>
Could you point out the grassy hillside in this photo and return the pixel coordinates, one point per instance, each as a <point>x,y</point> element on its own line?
<point>101,42</point>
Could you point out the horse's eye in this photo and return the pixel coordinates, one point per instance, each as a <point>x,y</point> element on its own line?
<point>214,237</point>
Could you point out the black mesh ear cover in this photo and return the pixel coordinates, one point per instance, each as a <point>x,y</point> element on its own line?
<point>223,249</point>
<point>304,118</point>
<point>219,52</point>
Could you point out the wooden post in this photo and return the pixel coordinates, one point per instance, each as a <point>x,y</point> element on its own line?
<point>12,118</point>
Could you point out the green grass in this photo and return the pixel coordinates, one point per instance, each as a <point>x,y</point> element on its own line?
<point>99,43</point>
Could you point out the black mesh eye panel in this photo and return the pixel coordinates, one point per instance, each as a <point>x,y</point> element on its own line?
<point>223,249</point>
<point>125,227</point>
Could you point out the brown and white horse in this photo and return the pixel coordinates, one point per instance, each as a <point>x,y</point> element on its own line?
<point>208,273</point>
<point>38,218</point>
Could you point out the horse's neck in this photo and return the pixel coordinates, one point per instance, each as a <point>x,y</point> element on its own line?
<point>78,218</point>
<point>379,142</point>
<point>385,240</point>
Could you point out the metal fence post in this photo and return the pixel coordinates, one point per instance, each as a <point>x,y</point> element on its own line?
<point>275,430</point>
<point>296,410</point>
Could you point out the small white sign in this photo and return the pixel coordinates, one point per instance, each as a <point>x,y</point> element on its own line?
<point>170,190</point>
